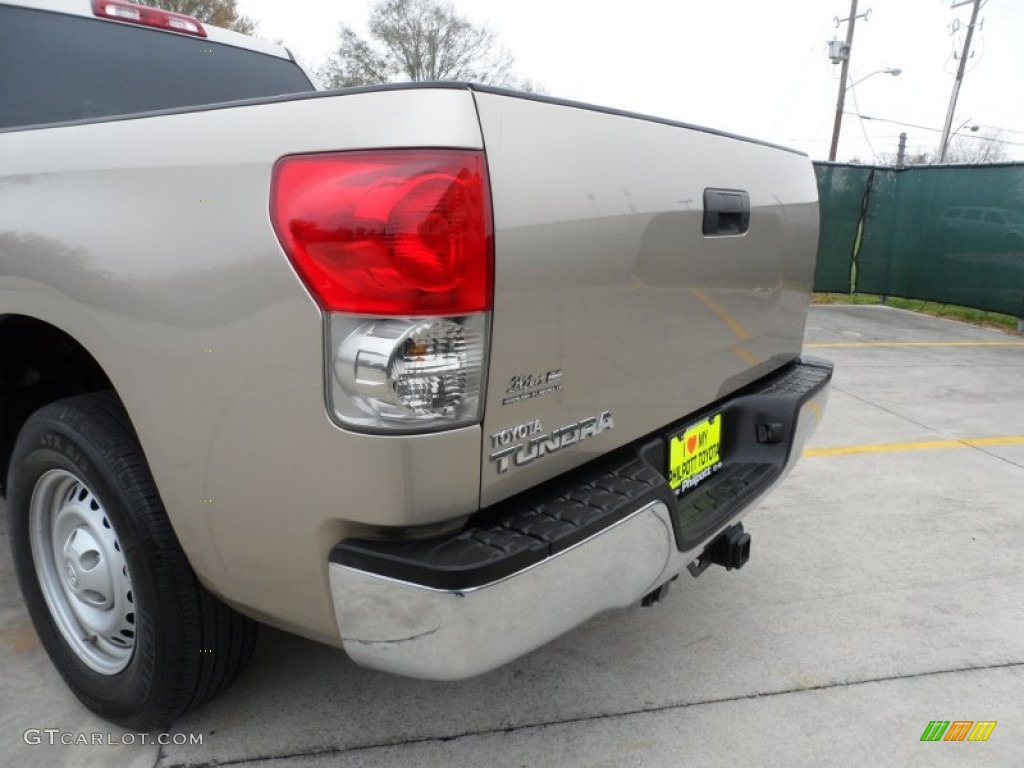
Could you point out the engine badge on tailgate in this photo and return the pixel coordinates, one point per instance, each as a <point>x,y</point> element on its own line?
<point>528,386</point>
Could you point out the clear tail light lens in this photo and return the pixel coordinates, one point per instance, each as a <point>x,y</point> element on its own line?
<point>409,374</point>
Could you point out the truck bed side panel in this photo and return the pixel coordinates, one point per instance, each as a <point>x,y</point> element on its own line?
<point>149,241</point>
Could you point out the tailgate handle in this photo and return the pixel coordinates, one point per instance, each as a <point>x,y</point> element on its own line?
<point>726,211</point>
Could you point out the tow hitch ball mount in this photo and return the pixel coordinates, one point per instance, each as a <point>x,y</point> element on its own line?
<point>730,549</point>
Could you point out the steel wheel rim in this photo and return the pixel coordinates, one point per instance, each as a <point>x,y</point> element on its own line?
<point>82,571</point>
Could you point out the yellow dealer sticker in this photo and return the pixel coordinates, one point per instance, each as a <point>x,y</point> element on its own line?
<point>695,454</point>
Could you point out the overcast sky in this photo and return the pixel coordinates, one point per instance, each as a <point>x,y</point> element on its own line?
<point>752,67</point>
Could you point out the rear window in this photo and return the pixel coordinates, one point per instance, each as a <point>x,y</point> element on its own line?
<point>55,67</point>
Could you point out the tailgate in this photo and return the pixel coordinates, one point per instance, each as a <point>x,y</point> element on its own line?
<point>614,314</point>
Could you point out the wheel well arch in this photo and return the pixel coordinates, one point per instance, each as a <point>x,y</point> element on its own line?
<point>39,364</point>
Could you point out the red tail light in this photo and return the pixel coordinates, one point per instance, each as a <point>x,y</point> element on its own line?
<point>395,232</point>
<point>149,17</point>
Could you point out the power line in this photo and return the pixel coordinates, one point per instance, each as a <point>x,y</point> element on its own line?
<point>1012,115</point>
<point>937,130</point>
<point>798,81</point>
<point>1001,130</point>
<point>853,92</point>
<point>1010,9</point>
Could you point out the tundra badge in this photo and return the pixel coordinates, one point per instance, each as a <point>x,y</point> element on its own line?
<point>510,446</point>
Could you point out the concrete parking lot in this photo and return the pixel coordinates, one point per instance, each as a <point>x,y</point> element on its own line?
<point>885,591</point>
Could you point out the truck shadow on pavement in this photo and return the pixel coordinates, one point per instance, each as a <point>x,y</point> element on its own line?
<point>299,697</point>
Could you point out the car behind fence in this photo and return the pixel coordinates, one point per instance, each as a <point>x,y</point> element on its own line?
<point>952,234</point>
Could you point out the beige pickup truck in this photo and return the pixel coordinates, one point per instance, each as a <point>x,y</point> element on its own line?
<point>432,373</point>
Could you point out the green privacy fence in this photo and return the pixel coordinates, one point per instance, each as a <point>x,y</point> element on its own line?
<point>953,234</point>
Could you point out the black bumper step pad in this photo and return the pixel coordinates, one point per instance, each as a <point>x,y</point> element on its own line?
<point>528,528</point>
<point>516,533</point>
<point>798,380</point>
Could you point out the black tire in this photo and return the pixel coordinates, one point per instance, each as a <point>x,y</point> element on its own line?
<point>185,646</point>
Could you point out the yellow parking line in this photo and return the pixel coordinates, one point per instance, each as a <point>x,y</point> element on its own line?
<point>734,325</point>
<point>816,410</point>
<point>921,445</point>
<point>854,344</point>
<point>744,355</point>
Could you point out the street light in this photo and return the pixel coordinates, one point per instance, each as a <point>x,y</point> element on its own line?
<point>945,147</point>
<point>841,101</point>
<point>894,71</point>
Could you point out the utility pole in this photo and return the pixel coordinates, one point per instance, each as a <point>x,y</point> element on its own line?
<point>901,151</point>
<point>944,145</point>
<point>841,98</point>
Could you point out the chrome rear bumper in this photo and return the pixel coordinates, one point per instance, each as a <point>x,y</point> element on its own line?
<point>447,634</point>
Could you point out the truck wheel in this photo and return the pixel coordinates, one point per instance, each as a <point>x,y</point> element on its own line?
<point>110,592</point>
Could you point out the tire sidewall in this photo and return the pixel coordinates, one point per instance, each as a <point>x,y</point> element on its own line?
<point>44,445</point>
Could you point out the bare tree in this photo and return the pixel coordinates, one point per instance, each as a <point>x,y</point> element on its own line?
<point>986,148</point>
<point>419,40</point>
<point>219,13</point>
<point>971,150</point>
